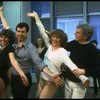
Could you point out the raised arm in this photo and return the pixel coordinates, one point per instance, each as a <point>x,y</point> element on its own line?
<point>3,20</point>
<point>40,27</point>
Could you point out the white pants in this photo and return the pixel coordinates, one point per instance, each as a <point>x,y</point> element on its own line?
<point>74,90</point>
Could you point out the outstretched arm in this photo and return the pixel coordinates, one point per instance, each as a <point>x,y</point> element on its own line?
<point>40,27</point>
<point>3,19</point>
<point>73,67</point>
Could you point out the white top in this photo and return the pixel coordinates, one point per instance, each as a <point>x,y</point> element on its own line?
<point>54,58</point>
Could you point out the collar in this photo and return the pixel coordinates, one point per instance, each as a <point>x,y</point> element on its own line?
<point>83,43</point>
<point>25,44</point>
<point>86,42</point>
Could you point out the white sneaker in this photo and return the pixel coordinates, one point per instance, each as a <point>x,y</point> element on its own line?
<point>84,80</point>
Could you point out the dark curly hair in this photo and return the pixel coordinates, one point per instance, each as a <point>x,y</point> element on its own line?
<point>10,34</point>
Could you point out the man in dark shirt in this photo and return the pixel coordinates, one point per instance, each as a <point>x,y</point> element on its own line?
<point>86,57</point>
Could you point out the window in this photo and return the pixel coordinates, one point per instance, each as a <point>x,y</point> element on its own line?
<point>95,22</point>
<point>68,25</point>
<point>68,7</point>
<point>41,7</point>
<point>93,6</point>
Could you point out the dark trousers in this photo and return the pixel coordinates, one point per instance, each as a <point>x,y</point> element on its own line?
<point>18,89</point>
<point>95,80</point>
<point>95,85</point>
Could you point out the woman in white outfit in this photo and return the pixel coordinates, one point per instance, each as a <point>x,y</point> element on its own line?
<point>54,57</point>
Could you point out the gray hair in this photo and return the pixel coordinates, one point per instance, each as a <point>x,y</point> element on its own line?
<point>87,30</point>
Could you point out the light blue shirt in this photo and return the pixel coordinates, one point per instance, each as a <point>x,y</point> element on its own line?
<point>27,56</point>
